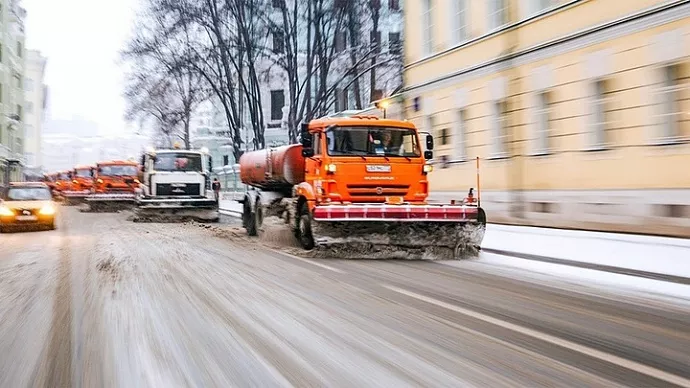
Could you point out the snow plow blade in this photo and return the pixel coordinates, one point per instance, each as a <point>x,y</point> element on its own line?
<point>425,232</point>
<point>175,210</point>
<point>110,203</point>
<point>73,198</point>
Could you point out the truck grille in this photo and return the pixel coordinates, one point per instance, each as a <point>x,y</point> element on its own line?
<point>374,190</point>
<point>173,189</point>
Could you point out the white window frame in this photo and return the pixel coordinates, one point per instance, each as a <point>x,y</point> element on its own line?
<point>535,7</point>
<point>460,135</point>
<point>459,21</point>
<point>427,27</point>
<point>669,112</point>
<point>496,14</point>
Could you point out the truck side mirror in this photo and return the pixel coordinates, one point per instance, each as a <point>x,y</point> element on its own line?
<point>307,152</point>
<point>306,136</point>
<point>429,142</point>
<point>428,155</point>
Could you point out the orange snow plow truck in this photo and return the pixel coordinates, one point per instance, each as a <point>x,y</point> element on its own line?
<point>356,187</point>
<point>114,185</point>
<point>80,187</point>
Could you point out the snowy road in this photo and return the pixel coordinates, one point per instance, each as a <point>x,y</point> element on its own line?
<point>103,302</point>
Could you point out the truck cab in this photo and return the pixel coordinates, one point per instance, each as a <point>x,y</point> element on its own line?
<point>82,178</point>
<point>116,177</point>
<point>176,173</point>
<point>363,159</point>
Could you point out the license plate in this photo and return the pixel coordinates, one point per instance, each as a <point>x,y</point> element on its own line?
<point>378,168</point>
<point>27,218</point>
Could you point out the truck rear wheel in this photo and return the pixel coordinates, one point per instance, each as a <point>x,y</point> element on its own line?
<point>249,219</point>
<point>304,233</point>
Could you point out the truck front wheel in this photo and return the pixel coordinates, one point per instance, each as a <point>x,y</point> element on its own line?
<point>304,232</point>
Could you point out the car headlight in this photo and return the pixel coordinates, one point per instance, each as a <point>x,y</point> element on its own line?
<point>5,211</point>
<point>47,210</point>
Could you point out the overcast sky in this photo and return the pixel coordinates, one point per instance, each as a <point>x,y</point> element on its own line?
<point>82,39</point>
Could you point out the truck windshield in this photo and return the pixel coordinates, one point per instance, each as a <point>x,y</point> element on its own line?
<point>115,170</point>
<point>372,141</point>
<point>177,161</point>
<point>85,173</point>
<point>28,194</point>
<point>63,177</point>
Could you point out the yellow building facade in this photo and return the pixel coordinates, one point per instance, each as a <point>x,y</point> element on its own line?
<point>579,110</point>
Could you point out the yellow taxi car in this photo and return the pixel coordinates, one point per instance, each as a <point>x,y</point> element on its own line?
<point>24,204</point>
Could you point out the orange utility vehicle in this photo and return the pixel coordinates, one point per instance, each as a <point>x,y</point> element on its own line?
<point>81,184</point>
<point>358,186</point>
<point>63,182</point>
<point>114,185</point>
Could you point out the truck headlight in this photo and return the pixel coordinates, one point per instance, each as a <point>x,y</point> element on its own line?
<point>99,180</point>
<point>6,212</point>
<point>428,168</point>
<point>331,168</point>
<point>47,210</point>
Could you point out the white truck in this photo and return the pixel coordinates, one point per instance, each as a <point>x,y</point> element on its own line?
<point>175,186</point>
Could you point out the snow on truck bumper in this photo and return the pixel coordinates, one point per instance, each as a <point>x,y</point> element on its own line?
<point>75,194</point>
<point>124,197</point>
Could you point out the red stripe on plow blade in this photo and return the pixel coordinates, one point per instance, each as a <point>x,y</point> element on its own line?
<point>437,213</point>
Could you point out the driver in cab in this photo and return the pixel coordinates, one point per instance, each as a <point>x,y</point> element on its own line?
<point>387,145</point>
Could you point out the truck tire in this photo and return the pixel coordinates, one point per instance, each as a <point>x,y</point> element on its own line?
<point>249,220</point>
<point>304,232</point>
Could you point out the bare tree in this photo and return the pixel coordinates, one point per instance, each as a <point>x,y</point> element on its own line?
<point>162,85</point>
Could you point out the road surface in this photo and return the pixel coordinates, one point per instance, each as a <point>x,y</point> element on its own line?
<point>103,302</point>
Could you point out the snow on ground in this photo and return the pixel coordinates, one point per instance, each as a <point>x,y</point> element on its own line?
<point>645,253</point>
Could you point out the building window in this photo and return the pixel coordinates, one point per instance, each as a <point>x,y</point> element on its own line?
<point>445,136</point>
<point>459,24</point>
<point>534,7</point>
<point>427,23</point>
<point>430,123</point>
<point>29,107</point>
<point>375,39</point>
<point>28,85</point>
<point>498,129</point>
<point>394,45</point>
<point>670,107</point>
<point>277,103</point>
<point>460,136</point>
<point>19,49</point>
<point>278,42</point>
<point>599,117</point>
<point>394,5</point>
<point>341,100</point>
<point>226,160</point>
<point>543,123</point>
<point>497,13</point>
<point>18,81</point>
<point>340,41</point>
<point>20,112</point>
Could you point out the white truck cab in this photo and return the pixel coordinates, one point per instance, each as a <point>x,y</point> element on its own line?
<point>177,181</point>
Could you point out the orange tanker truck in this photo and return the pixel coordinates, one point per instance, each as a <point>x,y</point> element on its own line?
<point>357,187</point>
<point>114,185</point>
<point>81,184</point>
